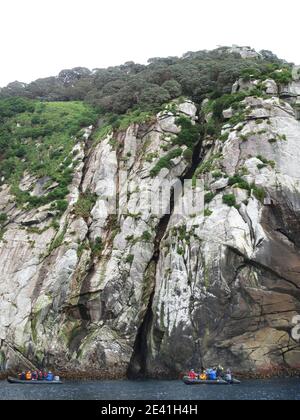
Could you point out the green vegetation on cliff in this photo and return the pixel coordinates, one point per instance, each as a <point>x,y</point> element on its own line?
<point>165,162</point>
<point>38,133</point>
<point>38,138</point>
<point>229,199</point>
<point>85,204</point>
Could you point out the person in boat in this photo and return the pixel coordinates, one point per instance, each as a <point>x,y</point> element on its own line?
<point>212,376</point>
<point>220,372</point>
<point>203,375</point>
<point>22,376</point>
<point>40,375</point>
<point>28,376</point>
<point>45,374</point>
<point>50,376</point>
<point>34,376</point>
<point>228,376</point>
<point>192,374</point>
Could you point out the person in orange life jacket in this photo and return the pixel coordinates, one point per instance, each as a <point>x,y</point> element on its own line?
<point>28,376</point>
<point>192,374</point>
<point>203,375</point>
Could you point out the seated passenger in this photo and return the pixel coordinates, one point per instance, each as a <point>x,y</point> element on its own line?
<point>213,375</point>
<point>28,375</point>
<point>220,371</point>
<point>192,374</point>
<point>228,376</point>
<point>50,376</point>
<point>203,376</point>
<point>34,376</point>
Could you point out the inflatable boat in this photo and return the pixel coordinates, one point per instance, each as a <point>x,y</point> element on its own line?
<point>189,381</point>
<point>19,381</point>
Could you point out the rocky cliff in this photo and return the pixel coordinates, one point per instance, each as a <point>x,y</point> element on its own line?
<point>129,292</point>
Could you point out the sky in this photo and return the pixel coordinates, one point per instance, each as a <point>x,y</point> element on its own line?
<point>41,37</point>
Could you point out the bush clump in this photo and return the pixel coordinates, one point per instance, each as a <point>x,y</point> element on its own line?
<point>239,182</point>
<point>226,102</point>
<point>85,204</point>
<point>62,205</point>
<point>3,218</point>
<point>208,165</point>
<point>165,162</point>
<point>208,197</point>
<point>265,162</point>
<point>189,134</point>
<point>188,155</point>
<point>146,237</point>
<point>97,247</point>
<point>258,192</point>
<point>229,199</point>
<point>129,259</point>
<point>283,76</point>
<point>207,213</point>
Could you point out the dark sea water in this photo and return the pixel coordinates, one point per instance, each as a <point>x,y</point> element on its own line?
<point>275,389</point>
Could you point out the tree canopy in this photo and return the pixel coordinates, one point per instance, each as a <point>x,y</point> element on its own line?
<point>130,86</point>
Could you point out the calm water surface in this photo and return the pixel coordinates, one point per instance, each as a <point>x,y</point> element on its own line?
<point>275,389</point>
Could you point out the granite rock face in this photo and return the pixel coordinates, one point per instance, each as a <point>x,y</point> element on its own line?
<point>244,52</point>
<point>64,301</point>
<point>231,292</point>
<point>141,293</point>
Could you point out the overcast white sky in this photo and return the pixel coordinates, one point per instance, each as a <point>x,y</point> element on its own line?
<point>41,37</point>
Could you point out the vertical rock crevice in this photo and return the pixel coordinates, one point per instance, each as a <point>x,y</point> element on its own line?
<point>138,368</point>
<point>138,364</point>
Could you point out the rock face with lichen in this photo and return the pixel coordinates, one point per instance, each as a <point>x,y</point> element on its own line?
<point>232,292</point>
<point>75,297</point>
<point>135,293</point>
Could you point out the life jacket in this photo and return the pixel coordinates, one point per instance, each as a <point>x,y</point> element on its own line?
<point>50,377</point>
<point>192,375</point>
<point>203,377</point>
<point>28,376</point>
<point>213,375</point>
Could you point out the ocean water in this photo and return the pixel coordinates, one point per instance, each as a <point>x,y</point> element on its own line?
<point>275,389</point>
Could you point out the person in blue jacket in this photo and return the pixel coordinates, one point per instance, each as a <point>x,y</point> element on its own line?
<point>50,376</point>
<point>213,375</point>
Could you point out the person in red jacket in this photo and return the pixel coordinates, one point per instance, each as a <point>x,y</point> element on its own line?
<point>192,374</point>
